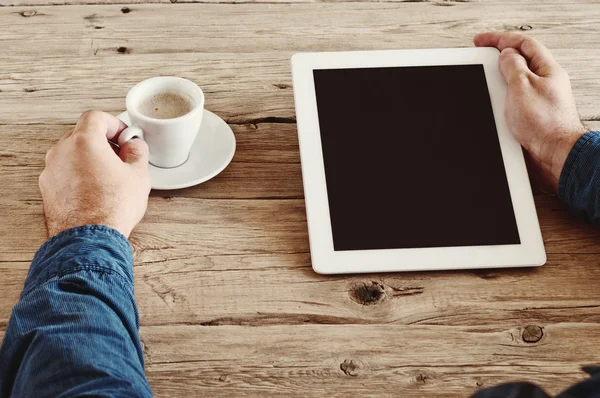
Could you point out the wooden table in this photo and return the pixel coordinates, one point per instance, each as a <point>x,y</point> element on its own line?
<point>228,301</point>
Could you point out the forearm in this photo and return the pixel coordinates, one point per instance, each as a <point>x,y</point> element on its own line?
<point>579,184</point>
<point>74,330</point>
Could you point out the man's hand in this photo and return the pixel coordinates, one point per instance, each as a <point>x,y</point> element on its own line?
<point>86,182</point>
<point>540,109</point>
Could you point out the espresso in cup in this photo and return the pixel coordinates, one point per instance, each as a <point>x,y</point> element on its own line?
<point>166,105</point>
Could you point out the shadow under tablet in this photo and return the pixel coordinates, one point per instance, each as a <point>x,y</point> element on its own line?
<point>412,158</point>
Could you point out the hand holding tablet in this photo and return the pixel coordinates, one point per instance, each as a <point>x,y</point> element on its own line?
<point>408,163</point>
<point>540,107</point>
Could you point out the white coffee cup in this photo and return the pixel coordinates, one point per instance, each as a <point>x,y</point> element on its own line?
<point>169,140</point>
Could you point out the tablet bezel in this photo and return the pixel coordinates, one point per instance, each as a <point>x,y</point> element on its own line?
<point>325,259</point>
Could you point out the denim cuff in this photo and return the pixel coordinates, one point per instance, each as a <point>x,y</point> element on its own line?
<point>89,247</point>
<point>579,166</point>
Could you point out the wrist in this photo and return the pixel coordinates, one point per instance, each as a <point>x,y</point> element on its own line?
<point>57,227</point>
<point>551,153</point>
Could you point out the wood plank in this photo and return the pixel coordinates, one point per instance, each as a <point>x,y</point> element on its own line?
<point>182,227</point>
<point>362,359</point>
<point>338,360</point>
<point>381,360</point>
<point>241,28</point>
<point>274,289</point>
<point>442,3</point>
<point>102,30</point>
<point>436,3</point>
<point>241,88</point>
<point>226,378</point>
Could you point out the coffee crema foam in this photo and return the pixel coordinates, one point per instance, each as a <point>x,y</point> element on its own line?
<point>166,105</point>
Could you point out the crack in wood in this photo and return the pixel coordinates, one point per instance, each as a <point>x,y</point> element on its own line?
<point>268,119</point>
<point>296,301</point>
<point>406,291</point>
<point>561,308</point>
<point>264,319</point>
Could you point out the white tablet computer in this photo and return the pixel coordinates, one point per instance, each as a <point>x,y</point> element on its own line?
<point>408,163</point>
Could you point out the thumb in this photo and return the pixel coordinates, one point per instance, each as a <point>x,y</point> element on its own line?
<point>513,66</point>
<point>134,152</point>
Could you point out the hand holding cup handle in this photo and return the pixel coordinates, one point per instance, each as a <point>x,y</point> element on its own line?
<point>129,133</point>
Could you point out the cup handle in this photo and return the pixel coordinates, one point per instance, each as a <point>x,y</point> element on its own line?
<point>129,133</point>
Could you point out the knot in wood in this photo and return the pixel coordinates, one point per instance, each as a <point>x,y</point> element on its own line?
<point>525,27</point>
<point>123,50</point>
<point>532,334</point>
<point>28,13</point>
<point>367,293</point>
<point>350,367</point>
<point>421,378</point>
<point>125,10</point>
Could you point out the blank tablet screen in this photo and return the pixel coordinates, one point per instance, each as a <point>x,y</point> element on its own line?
<point>412,158</point>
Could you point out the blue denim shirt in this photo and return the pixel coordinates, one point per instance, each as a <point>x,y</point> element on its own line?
<point>74,330</point>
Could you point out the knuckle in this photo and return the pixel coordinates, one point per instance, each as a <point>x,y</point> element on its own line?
<point>530,42</point>
<point>91,114</point>
<point>509,54</point>
<point>80,139</point>
<point>519,79</point>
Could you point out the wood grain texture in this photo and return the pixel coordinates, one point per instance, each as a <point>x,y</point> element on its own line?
<point>373,360</point>
<point>229,304</point>
<point>251,88</point>
<point>102,29</point>
<point>243,63</point>
<point>127,3</point>
<point>273,289</point>
<point>389,360</point>
<point>242,89</point>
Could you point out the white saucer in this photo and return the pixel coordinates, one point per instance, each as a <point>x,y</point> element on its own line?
<point>211,153</point>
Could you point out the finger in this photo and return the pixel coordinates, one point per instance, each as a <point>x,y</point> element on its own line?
<point>539,58</point>
<point>135,152</point>
<point>66,135</point>
<point>514,67</point>
<point>99,123</point>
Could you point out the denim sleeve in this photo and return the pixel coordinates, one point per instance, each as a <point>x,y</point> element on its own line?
<point>74,330</point>
<point>579,183</point>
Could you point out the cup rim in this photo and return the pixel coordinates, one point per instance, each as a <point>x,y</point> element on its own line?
<point>132,110</point>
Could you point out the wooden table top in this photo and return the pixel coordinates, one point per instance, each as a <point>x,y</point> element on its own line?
<point>228,301</point>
